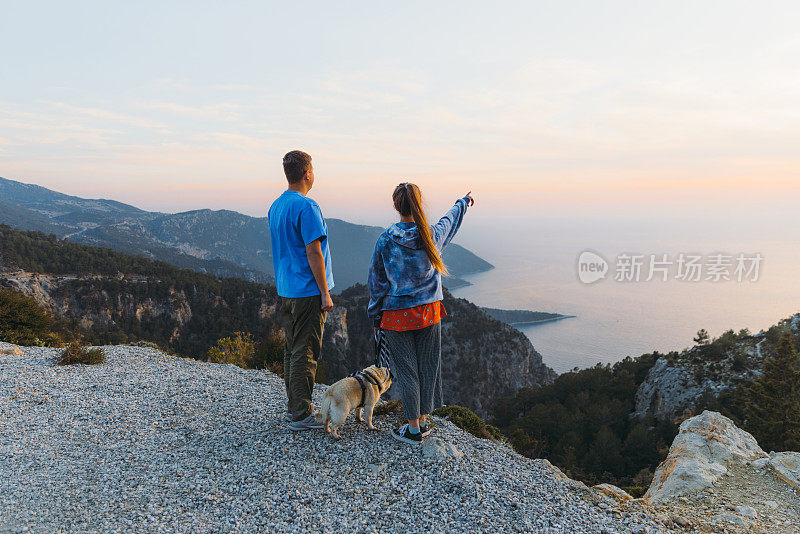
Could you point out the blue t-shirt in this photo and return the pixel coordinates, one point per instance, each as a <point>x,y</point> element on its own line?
<point>295,221</point>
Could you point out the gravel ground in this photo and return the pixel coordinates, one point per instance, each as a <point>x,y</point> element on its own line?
<point>150,442</point>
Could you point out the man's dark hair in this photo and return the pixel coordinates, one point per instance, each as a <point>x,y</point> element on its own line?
<point>295,164</point>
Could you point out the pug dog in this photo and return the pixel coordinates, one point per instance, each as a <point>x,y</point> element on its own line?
<point>347,394</point>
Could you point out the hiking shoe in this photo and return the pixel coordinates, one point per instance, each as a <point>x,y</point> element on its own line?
<point>425,430</point>
<point>309,423</point>
<point>288,415</point>
<point>404,434</point>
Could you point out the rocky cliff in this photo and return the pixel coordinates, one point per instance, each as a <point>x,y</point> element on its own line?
<point>680,382</point>
<point>186,315</point>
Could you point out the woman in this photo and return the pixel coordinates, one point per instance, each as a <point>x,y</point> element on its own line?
<point>405,286</point>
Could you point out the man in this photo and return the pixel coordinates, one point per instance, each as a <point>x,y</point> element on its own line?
<point>302,264</point>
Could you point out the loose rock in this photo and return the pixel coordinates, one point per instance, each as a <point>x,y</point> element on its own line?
<point>440,450</point>
<point>787,467</point>
<point>613,491</point>
<point>746,511</point>
<point>732,519</point>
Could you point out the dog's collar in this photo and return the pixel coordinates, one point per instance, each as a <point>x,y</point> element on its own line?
<point>360,376</point>
<point>372,379</point>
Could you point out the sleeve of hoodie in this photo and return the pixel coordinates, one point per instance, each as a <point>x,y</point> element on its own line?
<point>447,227</point>
<point>378,285</point>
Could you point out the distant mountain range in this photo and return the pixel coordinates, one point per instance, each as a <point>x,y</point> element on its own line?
<point>223,242</point>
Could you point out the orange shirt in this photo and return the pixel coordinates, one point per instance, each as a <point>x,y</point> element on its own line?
<point>413,318</point>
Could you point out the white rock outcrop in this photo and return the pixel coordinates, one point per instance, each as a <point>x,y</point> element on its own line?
<point>668,391</point>
<point>786,466</point>
<point>700,454</point>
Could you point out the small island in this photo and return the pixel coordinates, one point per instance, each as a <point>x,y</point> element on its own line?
<point>521,317</point>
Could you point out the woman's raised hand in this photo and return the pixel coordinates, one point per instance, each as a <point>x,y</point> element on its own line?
<point>471,200</point>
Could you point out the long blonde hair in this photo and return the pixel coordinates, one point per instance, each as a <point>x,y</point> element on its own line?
<point>408,202</point>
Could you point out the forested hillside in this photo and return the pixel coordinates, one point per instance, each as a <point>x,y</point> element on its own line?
<point>582,423</point>
<point>598,426</point>
<point>116,298</point>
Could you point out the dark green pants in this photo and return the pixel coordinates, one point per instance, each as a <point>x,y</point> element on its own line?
<point>303,321</point>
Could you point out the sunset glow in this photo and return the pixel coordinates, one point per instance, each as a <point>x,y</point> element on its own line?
<point>555,105</point>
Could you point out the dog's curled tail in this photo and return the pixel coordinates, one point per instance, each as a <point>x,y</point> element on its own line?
<point>324,409</point>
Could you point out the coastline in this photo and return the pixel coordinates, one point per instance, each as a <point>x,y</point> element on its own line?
<point>550,320</point>
<point>524,317</point>
<point>457,282</point>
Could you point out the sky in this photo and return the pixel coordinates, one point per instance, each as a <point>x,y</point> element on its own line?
<point>547,108</point>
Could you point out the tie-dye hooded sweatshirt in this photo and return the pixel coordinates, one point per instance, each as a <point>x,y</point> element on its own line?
<point>401,275</point>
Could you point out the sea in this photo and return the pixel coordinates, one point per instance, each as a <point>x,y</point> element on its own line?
<point>623,314</point>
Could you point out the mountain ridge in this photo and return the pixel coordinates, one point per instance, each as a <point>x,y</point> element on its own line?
<point>222,242</point>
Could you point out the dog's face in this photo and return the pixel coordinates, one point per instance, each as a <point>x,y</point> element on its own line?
<point>383,376</point>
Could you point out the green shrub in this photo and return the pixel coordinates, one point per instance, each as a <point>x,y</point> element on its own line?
<point>523,443</point>
<point>77,353</point>
<point>744,333</point>
<point>466,419</point>
<point>24,322</point>
<point>702,337</point>
<point>739,362</point>
<point>495,432</point>
<point>386,408</point>
<point>639,483</point>
<point>269,353</point>
<point>773,410</point>
<point>775,334</point>
<point>636,491</point>
<point>238,350</point>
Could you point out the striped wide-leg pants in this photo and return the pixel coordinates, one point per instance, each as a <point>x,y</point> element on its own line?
<point>415,358</point>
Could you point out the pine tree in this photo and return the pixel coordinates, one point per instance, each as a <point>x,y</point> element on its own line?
<point>774,404</point>
<point>702,337</point>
